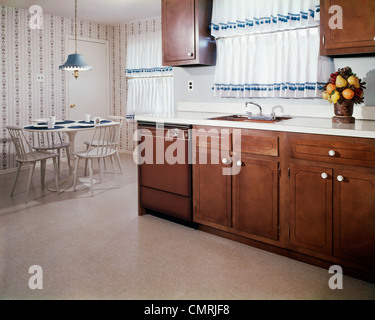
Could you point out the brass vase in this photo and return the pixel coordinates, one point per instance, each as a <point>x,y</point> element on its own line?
<point>343,112</point>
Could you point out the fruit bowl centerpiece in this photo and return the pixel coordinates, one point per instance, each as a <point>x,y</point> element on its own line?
<point>344,89</point>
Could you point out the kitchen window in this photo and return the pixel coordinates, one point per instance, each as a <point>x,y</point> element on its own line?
<point>268,49</point>
<point>150,85</point>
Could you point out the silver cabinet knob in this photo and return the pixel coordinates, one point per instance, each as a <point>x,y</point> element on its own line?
<point>225,161</point>
<point>340,178</point>
<point>324,175</point>
<point>239,163</point>
<point>331,153</point>
<point>190,54</point>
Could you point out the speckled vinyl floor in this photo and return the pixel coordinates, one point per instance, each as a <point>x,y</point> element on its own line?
<point>98,248</point>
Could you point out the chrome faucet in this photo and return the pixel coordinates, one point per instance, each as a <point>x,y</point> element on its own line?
<point>255,104</point>
<point>259,116</point>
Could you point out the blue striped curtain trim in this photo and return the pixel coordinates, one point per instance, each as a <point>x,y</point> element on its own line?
<point>266,20</point>
<point>148,70</point>
<point>312,86</point>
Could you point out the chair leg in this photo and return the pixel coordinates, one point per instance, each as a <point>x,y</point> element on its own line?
<point>119,161</point>
<point>68,155</point>
<point>86,163</point>
<point>75,172</point>
<point>115,170</point>
<point>57,172</point>
<point>30,178</point>
<point>58,161</point>
<point>42,172</point>
<point>91,179</point>
<point>19,165</point>
<point>100,164</point>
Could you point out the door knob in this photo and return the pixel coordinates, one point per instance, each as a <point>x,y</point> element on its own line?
<point>190,54</point>
<point>331,153</point>
<point>324,175</point>
<point>72,106</point>
<point>239,163</point>
<point>340,178</point>
<point>225,161</point>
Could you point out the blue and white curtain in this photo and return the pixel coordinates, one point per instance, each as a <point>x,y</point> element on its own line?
<point>268,48</point>
<point>150,85</point>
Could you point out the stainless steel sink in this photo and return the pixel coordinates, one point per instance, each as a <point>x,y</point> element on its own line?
<point>244,118</point>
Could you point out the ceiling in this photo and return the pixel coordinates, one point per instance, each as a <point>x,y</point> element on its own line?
<point>111,12</point>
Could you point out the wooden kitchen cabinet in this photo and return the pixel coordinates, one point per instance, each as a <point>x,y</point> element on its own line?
<point>354,216</point>
<point>255,198</point>
<point>307,196</point>
<point>212,192</point>
<point>245,199</point>
<point>310,218</point>
<point>255,189</point>
<point>211,189</point>
<point>358,32</point>
<point>186,33</point>
<point>332,197</point>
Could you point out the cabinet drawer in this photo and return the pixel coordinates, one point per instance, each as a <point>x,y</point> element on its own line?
<point>341,150</point>
<point>167,203</point>
<point>212,138</point>
<point>256,142</point>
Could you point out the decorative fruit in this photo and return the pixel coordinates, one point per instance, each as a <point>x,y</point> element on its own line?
<point>335,97</point>
<point>354,81</point>
<point>348,94</point>
<point>341,82</point>
<point>334,77</point>
<point>325,95</point>
<point>330,88</point>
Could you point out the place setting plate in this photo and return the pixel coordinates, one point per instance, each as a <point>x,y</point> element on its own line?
<point>85,124</point>
<point>45,127</point>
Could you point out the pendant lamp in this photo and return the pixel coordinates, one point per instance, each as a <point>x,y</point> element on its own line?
<point>75,62</point>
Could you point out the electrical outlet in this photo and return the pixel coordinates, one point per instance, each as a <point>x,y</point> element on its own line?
<point>40,77</point>
<point>190,85</point>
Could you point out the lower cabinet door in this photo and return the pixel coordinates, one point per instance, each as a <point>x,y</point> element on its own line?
<point>212,191</point>
<point>354,214</point>
<point>311,208</point>
<point>255,198</point>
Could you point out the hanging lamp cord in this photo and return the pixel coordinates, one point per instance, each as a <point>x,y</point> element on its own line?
<point>75,24</point>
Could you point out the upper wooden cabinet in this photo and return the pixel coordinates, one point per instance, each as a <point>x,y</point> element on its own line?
<point>186,31</point>
<point>358,30</point>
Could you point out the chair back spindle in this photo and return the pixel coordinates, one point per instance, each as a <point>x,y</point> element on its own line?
<point>20,142</point>
<point>104,140</point>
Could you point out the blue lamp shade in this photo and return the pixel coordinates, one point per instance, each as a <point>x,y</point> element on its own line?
<point>75,62</point>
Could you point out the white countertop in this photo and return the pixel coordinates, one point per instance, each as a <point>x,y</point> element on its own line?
<point>361,128</point>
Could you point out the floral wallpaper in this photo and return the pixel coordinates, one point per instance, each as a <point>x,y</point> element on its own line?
<point>26,52</point>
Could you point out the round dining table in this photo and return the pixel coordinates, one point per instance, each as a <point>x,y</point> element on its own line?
<point>71,128</point>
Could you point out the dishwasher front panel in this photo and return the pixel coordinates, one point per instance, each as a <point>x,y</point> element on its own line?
<point>161,175</point>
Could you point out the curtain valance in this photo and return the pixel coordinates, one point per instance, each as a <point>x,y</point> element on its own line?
<point>150,85</point>
<point>144,55</point>
<point>274,54</point>
<point>235,17</point>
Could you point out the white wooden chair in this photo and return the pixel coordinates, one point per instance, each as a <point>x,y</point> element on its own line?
<point>47,140</point>
<point>102,145</point>
<point>120,120</point>
<point>26,155</point>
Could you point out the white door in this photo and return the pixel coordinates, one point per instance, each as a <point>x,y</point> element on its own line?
<point>89,94</point>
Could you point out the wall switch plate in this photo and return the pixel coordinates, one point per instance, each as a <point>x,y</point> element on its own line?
<point>190,86</point>
<point>40,77</point>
